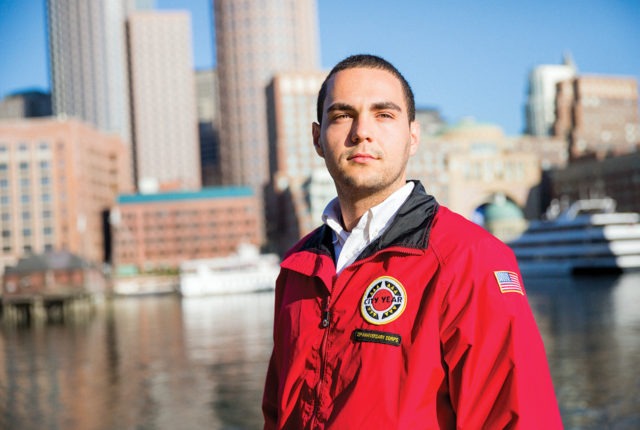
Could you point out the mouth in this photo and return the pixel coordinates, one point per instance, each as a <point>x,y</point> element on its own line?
<point>361,157</point>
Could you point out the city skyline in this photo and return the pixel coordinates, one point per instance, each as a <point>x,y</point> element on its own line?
<point>256,40</point>
<point>465,59</point>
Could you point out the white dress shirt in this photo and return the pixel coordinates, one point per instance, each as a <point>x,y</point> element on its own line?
<point>348,245</point>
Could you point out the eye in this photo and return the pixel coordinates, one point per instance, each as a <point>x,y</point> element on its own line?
<point>385,115</point>
<point>341,116</point>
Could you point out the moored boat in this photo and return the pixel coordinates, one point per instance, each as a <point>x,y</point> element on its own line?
<point>244,272</point>
<point>144,285</point>
<point>589,236</point>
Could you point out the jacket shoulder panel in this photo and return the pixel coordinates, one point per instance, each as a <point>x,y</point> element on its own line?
<point>452,234</point>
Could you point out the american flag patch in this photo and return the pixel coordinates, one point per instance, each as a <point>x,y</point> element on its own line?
<point>508,282</point>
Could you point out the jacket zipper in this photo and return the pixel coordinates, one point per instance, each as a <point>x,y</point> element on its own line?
<point>325,322</point>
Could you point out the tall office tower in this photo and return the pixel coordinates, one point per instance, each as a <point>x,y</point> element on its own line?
<point>57,177</point>
<point>88,62</point>
<point>165,123</point>
<point>291,107</point>
<point>540,107</point>
<point>254,40</point>
<point>208,112</point>
<point>598,115</point>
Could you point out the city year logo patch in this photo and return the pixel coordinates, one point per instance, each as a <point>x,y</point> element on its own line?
<point>383,301</point>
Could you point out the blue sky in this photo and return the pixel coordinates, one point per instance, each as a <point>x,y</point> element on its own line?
<point>464,57</point>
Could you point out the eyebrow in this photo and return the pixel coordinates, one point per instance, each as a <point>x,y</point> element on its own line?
<point>340,106</point>
<point>386,105</point>
<point>376,106</point>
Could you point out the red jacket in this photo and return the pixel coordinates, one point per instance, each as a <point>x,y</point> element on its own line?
<point>428,328</point>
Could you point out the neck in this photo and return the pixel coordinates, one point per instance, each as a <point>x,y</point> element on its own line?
<point>352,206</point>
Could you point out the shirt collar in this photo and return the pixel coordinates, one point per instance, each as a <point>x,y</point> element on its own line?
<point>373,222</point>
<point>332,217</point>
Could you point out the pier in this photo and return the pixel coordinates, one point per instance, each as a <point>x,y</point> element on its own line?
<point>51,286</point>
<point>55,307</point>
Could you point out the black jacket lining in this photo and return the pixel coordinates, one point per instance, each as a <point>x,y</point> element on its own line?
<point>410,228</point>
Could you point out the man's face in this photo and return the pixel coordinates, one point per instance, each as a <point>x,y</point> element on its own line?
<point>365,137</point>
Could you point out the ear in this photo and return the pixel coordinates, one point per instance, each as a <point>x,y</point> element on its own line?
<point>414,133</point>
<point>315,132</point>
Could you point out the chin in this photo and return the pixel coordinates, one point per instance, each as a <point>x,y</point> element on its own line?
<point>363,186</point>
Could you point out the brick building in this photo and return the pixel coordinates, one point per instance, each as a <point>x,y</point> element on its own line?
<point>158,231</point>
<point>51,273</point>
<point>598,115</point>
<point>616,177</point>
<point>57,177</point>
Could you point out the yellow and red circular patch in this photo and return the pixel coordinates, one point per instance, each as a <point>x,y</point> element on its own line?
<point>383,301</point>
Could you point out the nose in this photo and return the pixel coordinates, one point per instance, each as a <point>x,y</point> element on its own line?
<point>361,129</point>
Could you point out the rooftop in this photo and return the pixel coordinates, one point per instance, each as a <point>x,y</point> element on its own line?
<point>203,194</point>
<point>51,260</point>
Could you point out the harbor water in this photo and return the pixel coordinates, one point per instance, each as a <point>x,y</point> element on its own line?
<point>164,362</point>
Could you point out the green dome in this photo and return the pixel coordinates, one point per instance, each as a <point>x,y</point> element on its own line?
<point>501,209</point>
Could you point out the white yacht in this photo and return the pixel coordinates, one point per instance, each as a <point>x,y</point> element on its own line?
<point>244,272</point>
<point>589,236</point>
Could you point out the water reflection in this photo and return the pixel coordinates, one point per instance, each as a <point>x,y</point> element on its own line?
<point>152,363</point>
<point>165,363</point>
<point>591,329</point>
<point>232,338</point>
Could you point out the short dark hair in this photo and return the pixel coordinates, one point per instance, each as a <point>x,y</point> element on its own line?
<point>368,61</point>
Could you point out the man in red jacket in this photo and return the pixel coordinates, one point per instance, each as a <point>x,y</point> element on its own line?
<point>397,313</point>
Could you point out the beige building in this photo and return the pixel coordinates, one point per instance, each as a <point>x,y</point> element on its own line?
<point>478,175</point>
<point>57,177</point>
<point>158,231</point>
<point>598,115</point>
<point>255,39</point>
<point>165,121</point>
<point>468,164</point>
